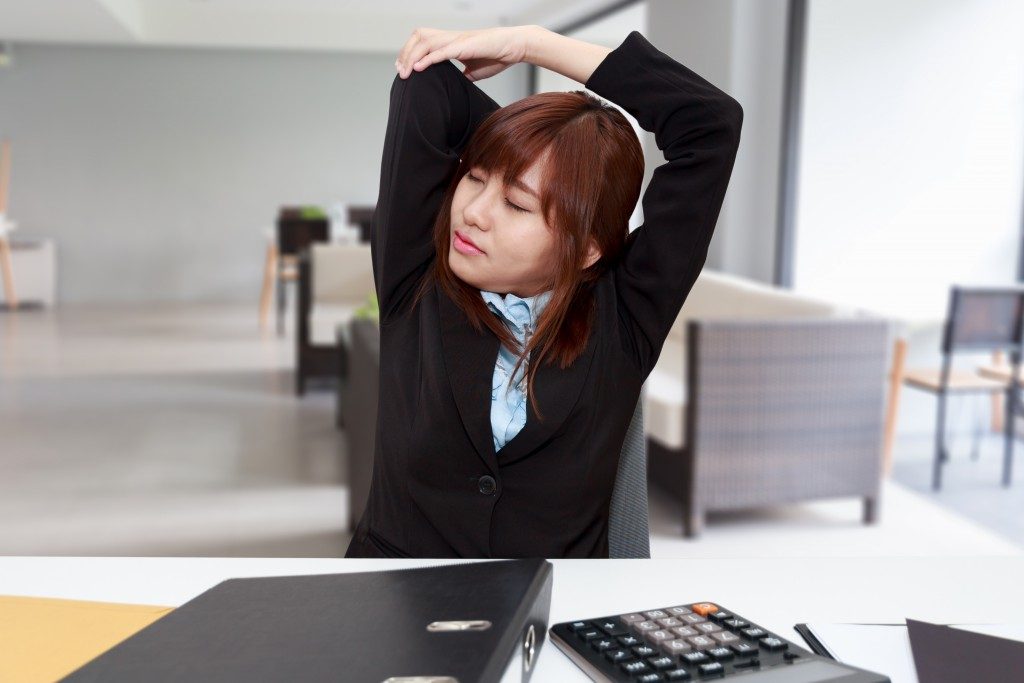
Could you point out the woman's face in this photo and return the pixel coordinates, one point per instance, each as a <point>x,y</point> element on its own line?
<point>515,245</point>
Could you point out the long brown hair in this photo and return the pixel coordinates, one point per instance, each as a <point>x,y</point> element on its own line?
<point>590,186</point>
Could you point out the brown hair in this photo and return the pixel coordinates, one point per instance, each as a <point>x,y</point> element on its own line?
<point>590,186</point>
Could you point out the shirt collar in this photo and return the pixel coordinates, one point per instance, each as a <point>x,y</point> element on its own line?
<point>516,310</point>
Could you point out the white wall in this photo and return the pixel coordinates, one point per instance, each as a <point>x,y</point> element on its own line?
<point>608,31</point>
<point>911,152</point>
<point>157,170</point>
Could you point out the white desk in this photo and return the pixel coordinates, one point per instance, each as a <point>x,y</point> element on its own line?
<point>776,593</point>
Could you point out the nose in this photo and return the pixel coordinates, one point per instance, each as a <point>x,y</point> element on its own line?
<point>478,211</point>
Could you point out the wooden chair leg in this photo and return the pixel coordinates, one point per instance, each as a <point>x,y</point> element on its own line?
<point>1009,435</point>
<point>8,274</point>
<point>997,398</point>
<point>899,359</point>
<point>267,291</point>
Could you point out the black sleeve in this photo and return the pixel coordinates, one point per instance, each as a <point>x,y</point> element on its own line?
<point>432,116</point>
<point>697,127</point>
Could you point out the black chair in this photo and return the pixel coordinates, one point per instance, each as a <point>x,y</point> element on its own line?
<point>978,320</point>
<point>294,235</point>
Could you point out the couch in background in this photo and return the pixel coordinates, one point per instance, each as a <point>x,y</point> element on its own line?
<point>763,396</point>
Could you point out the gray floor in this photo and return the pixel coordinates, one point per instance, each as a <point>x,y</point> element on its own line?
<point>972,488</point>
<point>162,431</point>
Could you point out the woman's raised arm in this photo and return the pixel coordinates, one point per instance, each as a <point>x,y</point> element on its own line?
<point>431,117</point>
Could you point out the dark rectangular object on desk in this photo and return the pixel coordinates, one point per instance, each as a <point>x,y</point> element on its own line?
<point>367,626</point>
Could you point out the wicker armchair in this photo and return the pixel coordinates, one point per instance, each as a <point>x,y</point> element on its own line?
<point>778,411</point>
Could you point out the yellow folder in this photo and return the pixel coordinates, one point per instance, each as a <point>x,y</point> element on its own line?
<point>45,639</point>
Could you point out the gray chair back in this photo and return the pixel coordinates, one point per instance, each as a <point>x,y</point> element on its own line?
<point>629,534</point>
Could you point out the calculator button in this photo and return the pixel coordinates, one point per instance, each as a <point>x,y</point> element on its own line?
<point>790,656</point>
<point>677,675</point>
<point>578,626</point>
<point>720,616</point>
<point>721,653</point>
<point>712,668</point>
<point>695,657</point>
<point>773,644</point>
<point>736,623</point>
<point>635,667</point>
<point>675,647</point>
<point>700,642</point>
<point>642,627</point>
<point>661,662</point>
<point>631,618</point>
<point>616,656</point>
<point>692,618</point>
<point>705,608</point>
<point>656,614</point>
<point>644,651</point>
<point>754,632</point>
<point>650,678</point>
<point>685,631</point>
<point>602,644</point>
<point>707,627</point>
<point>744,648</point>
<point>678,611</point>
<point>669,622</point>
<point>589,634</point>
<point>629,641</point>
<point>725,637</point>
<point>612,627</point>
<point>655,637</point>
<point>747,664</point>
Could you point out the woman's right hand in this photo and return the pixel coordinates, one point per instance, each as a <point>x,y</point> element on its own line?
<point>484,52</point>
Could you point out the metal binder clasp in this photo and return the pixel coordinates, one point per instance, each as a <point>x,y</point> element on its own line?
<point>478,625</point>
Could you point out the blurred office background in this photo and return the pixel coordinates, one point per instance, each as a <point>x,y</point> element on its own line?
<point>187,361</point>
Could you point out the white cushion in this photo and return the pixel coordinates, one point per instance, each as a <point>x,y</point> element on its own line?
<point>665,409</point>
<point>722,295</point>
<point>324,320</point>
<point>341,273</point>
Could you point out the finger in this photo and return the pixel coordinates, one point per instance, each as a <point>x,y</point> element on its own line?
<point>406,49</point>
<point>449,51</point>
<point>412,48</point>
<point>422,48</point>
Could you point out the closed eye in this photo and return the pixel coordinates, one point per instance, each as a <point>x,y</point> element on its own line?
<point>515,207</point>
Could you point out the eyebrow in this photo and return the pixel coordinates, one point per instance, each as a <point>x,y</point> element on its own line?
<point>525,188</point>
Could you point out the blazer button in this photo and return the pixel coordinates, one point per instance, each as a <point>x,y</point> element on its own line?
<point>487,485</point>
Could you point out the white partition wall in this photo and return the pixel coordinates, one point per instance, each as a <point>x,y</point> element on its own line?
<point>911,151</point>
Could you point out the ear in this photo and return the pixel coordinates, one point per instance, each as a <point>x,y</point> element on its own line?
<point>593,254</point>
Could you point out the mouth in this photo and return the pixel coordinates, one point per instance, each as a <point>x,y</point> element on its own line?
<point>465,245</point>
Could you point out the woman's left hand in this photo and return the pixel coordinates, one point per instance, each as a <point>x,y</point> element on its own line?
<point>485,52</point>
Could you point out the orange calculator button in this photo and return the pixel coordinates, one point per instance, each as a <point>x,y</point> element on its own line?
<point>705,608</point>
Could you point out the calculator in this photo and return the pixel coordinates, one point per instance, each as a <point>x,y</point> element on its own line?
<point>694,642</point>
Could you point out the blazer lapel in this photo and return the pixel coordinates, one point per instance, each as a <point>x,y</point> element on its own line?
<point>470,358</point>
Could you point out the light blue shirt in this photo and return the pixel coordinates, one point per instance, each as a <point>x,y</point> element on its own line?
<point>508,398</point>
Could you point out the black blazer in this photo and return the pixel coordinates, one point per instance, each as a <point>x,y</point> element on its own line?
<point>439,489</point>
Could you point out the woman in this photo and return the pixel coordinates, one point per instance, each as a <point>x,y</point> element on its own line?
<point>519,317</point>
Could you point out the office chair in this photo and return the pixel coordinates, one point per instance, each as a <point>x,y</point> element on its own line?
<point>629,534</point>
<point>979,319</point>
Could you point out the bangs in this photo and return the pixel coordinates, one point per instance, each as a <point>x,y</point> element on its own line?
<point>512,144</point>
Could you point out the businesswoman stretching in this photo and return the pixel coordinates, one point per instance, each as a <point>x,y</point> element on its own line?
<point>519,317</point>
